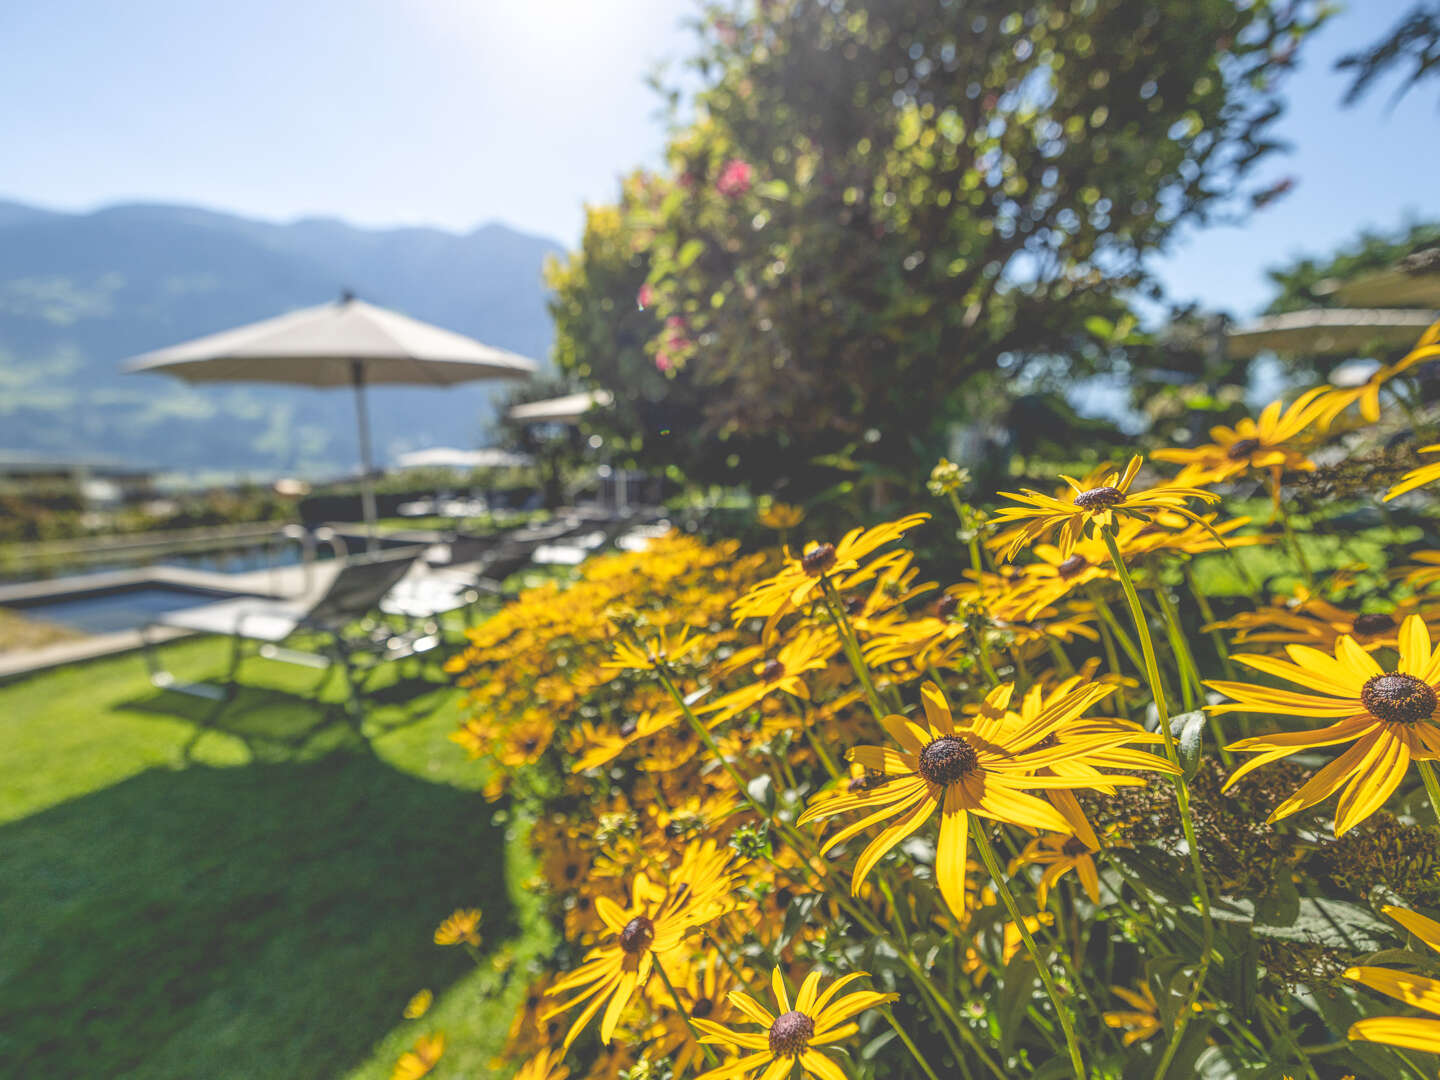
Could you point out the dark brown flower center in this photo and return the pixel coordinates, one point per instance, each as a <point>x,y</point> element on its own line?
<point>1072,566</point>
<point>946,606</point>
<point>817,559</point>
<point>1372,622</point>
<point>639,932</point>
<point>1099,498</point>
<point>772,670</point>
<point>1398,698</point>
<point>854,605</point>
<point>947,760</point>
<point>1074,847</point>
<point>702,1008</point>
<point>791,1033</point>
<point>1240,449</point>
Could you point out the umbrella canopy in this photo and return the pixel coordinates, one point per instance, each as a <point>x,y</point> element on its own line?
<point>561,410</point>
<point>347,343</point>
<point>320,346</point>
<point>446,457</point>
<point>1414,281</point>
<point>1329,331</point>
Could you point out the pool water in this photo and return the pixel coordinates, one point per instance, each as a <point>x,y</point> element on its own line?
<point>110,610</point>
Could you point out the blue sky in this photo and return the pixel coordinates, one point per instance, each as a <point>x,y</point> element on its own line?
<point>457,112</point>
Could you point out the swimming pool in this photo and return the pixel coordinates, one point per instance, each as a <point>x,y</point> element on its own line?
<point>121,607</point>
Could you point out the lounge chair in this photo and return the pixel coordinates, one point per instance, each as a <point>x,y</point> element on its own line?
<point>356,592</point>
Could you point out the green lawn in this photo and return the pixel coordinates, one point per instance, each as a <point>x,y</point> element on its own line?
<point>249,894</point>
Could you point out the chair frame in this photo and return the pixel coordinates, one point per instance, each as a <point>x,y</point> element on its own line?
<point>381,644</point>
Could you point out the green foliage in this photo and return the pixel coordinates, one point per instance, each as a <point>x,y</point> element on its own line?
<point>887,217</point>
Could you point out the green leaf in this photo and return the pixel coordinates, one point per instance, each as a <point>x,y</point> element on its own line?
<point>1100,326</point>
<point>1189,731</point>
<point>1337,924</point>
<point>689,252</point>
<point>1280,906</point>
<point>1017,987</point>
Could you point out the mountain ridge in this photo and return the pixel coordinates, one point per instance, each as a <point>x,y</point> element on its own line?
<point>82,292</point>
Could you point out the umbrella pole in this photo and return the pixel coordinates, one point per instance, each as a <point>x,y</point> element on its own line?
<point>367,475</point>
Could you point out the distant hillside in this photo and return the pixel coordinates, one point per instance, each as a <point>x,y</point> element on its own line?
<point>80,293</point>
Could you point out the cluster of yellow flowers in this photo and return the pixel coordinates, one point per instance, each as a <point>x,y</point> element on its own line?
<point>781,773</point>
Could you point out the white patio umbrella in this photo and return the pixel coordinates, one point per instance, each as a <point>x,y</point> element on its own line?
<point>347,343</point>
<point>448,457</point>
<point>561,410</point>
<point>1329,331</point>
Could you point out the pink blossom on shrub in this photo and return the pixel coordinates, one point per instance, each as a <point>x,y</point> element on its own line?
<point>735,178</point>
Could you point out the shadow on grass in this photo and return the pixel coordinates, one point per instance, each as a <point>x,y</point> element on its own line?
<point>269,920</point>
<point>279,725</point>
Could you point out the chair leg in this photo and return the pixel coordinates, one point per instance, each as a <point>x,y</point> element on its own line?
<point>163,679</point>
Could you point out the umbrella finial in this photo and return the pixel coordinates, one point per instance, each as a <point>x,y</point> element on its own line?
<point>346,295</point>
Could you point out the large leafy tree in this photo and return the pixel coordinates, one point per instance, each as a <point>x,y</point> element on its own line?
<point>889,215</point>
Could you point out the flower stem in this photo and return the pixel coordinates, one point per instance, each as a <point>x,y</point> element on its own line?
<point>852,647</point>
<point>909,1043</point>
<point>1290,537</point>
<point>1108,618</point>
<point>1432,785</point>
<point>817,745</point>
<point>709,1053</point>
<point>1189,670</point>
<point>1182,799</point>
<point>992,867</point>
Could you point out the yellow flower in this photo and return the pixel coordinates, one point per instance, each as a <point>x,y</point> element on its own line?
<point>792,1033</point>
<point>1251,444</point>
<point>546,1065</point>
<point>1336,399</point>
<point>1412,1032</point>
<point>808,650</point>
<point>1142,1021</point>
<point>1307,618</point>
<point>801,577</point>
<point>1060,855</point>
<point>1080,749</point>
<point>1422,576</point>
<point>1387,715</point>
<point>418,1005</point>
<point>958,770</point>
<point>462,927</point>
<point>1417,477</point>
<point>780,516</point>
<point>704,993</point>
<point>641,935</point>
<point>416,1063</point>
<point>647,655</point>
<point>1099,506</point>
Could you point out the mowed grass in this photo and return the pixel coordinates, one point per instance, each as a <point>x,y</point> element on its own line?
<point>251,893</point>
